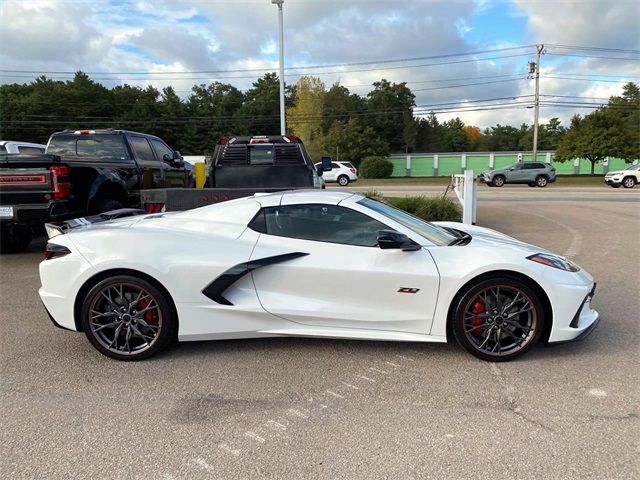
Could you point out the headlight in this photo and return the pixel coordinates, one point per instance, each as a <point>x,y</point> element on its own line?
<point>554,261</point>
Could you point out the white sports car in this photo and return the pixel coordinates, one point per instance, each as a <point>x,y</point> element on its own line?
<point>312,264</point>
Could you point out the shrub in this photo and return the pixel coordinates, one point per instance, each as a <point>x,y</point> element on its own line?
<point>376,167</point>
<point>374,195</point>
<point>429,209</point>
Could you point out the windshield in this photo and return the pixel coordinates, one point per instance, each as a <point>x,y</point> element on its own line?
<point>435,234</point>
<point>633,167</point>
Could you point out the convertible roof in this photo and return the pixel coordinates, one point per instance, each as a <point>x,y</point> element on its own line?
<point>302,196</point>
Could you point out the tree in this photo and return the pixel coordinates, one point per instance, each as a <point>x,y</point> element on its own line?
<point>354,142</point>
<point>388,104</point>
<point>340,105</point>
<point>260,112</point>
<point>474,136</point>
<point>610,131</point>
<point>305,117</point>
<point>455,138</point>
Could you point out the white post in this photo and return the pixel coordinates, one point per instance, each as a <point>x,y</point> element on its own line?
<point>468,197</point>
<point>492,160</point>
<point>463,161</point>
<point>548,159</point>
<point>436,165</point>
<point>408,172</point>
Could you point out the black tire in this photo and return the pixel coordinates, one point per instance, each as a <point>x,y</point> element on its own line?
<point>343,180</point>
<point>615,185</point>
<point>525,327</point>
<point>531,184</point>
<point>498,181</point>
<point>628,182</point>
<point>116,299</point>
<point>106,205</point>
<point>15,240</point>
<point>542,181</point>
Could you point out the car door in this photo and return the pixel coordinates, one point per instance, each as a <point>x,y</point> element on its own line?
<point>152,169</point>
<point>337,277</point>
<point>516,173</point>
<point>173,176</point>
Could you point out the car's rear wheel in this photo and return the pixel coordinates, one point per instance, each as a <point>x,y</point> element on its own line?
<point>106,205</point>
<point>498,319</point>
<point>498,181</point>
<point>128,318</point>
<point>542,181</point>
<point>343,180</point>
<point>531,184</point>
<point>628,182</point>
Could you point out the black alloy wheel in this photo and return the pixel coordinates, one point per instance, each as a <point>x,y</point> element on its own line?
<point>128,318</point>
<point>498,319</point>
<point>498,181</point>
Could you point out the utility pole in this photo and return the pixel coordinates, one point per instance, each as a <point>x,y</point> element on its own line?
<point>536,71</point>
<point>283,127</point>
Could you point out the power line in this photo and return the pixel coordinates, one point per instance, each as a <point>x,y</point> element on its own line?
<point>599,49</point>
<point>301,67</point>
<point>592,56</point>
<point>582,79</point>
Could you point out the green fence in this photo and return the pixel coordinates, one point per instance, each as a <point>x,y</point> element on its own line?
<point>447,164</point>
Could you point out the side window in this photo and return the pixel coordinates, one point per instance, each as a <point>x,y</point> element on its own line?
<point>334,165</point>
<point>322,223</point>
<point>30,150</point>
<point>161,149</point>
<point>142,149</point>
<point>518,166</point>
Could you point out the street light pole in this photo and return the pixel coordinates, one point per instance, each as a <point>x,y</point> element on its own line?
<point>283,126</point>
<point>539,49</point>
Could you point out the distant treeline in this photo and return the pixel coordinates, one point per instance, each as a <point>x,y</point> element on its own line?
<point>385,120</point>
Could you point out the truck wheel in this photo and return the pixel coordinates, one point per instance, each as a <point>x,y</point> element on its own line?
<point>628,182</point>
<point>15,241</point>
<point>498,181</point>
<point>106,205</point>
<point>343,180</point>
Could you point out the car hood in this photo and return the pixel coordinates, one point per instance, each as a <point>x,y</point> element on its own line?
<point>618,172</point>
<point>486,237</point>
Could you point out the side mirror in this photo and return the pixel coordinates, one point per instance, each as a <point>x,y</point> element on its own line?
<point>319,170</point>
<point>512,169</point>
<point>177,155</point>
<point>388,239</point>
<point>326,164</point>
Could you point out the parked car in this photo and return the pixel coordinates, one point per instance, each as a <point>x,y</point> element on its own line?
<point>341,172</point>
<point>16,147</point>
<point>529,173</point>
<point>82,172</point>
<point>258,267</point>
<point>628,178</point>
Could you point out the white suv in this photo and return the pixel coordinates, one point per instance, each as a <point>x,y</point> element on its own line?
<point>628,178</point>
<point>341,172</point>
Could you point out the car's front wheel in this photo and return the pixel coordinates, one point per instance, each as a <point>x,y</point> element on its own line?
<point>343,180</point>
<point>498,319</point>
<point>629,182</point>
<point>498,181</point>
<point>128,318</point>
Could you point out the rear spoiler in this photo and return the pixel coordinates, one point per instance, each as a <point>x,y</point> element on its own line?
<point>60,228</point>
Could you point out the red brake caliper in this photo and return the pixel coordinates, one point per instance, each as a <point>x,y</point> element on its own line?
<point>478,307</point>
<point>149,315</point>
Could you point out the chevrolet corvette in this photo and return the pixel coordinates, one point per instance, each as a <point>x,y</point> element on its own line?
<point>309,264</point>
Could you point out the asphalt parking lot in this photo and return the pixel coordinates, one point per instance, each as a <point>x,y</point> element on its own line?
<point>305,408</point>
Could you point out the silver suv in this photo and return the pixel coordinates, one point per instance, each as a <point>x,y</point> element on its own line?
<point>530,173</point>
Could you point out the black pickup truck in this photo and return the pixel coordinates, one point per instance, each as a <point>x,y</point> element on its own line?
<point>241,166</point>
<point>82,172</point>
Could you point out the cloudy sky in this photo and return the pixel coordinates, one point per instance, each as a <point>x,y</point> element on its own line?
<point>181,43</point>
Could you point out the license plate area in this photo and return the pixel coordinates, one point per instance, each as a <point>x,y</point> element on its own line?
<point>6,212</point>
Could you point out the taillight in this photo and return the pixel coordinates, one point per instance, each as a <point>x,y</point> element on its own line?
<point>154,207</point>
<point>53,250</point>
<point>353,170</point>
<point>60,181</point>
<point>293,139</point>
